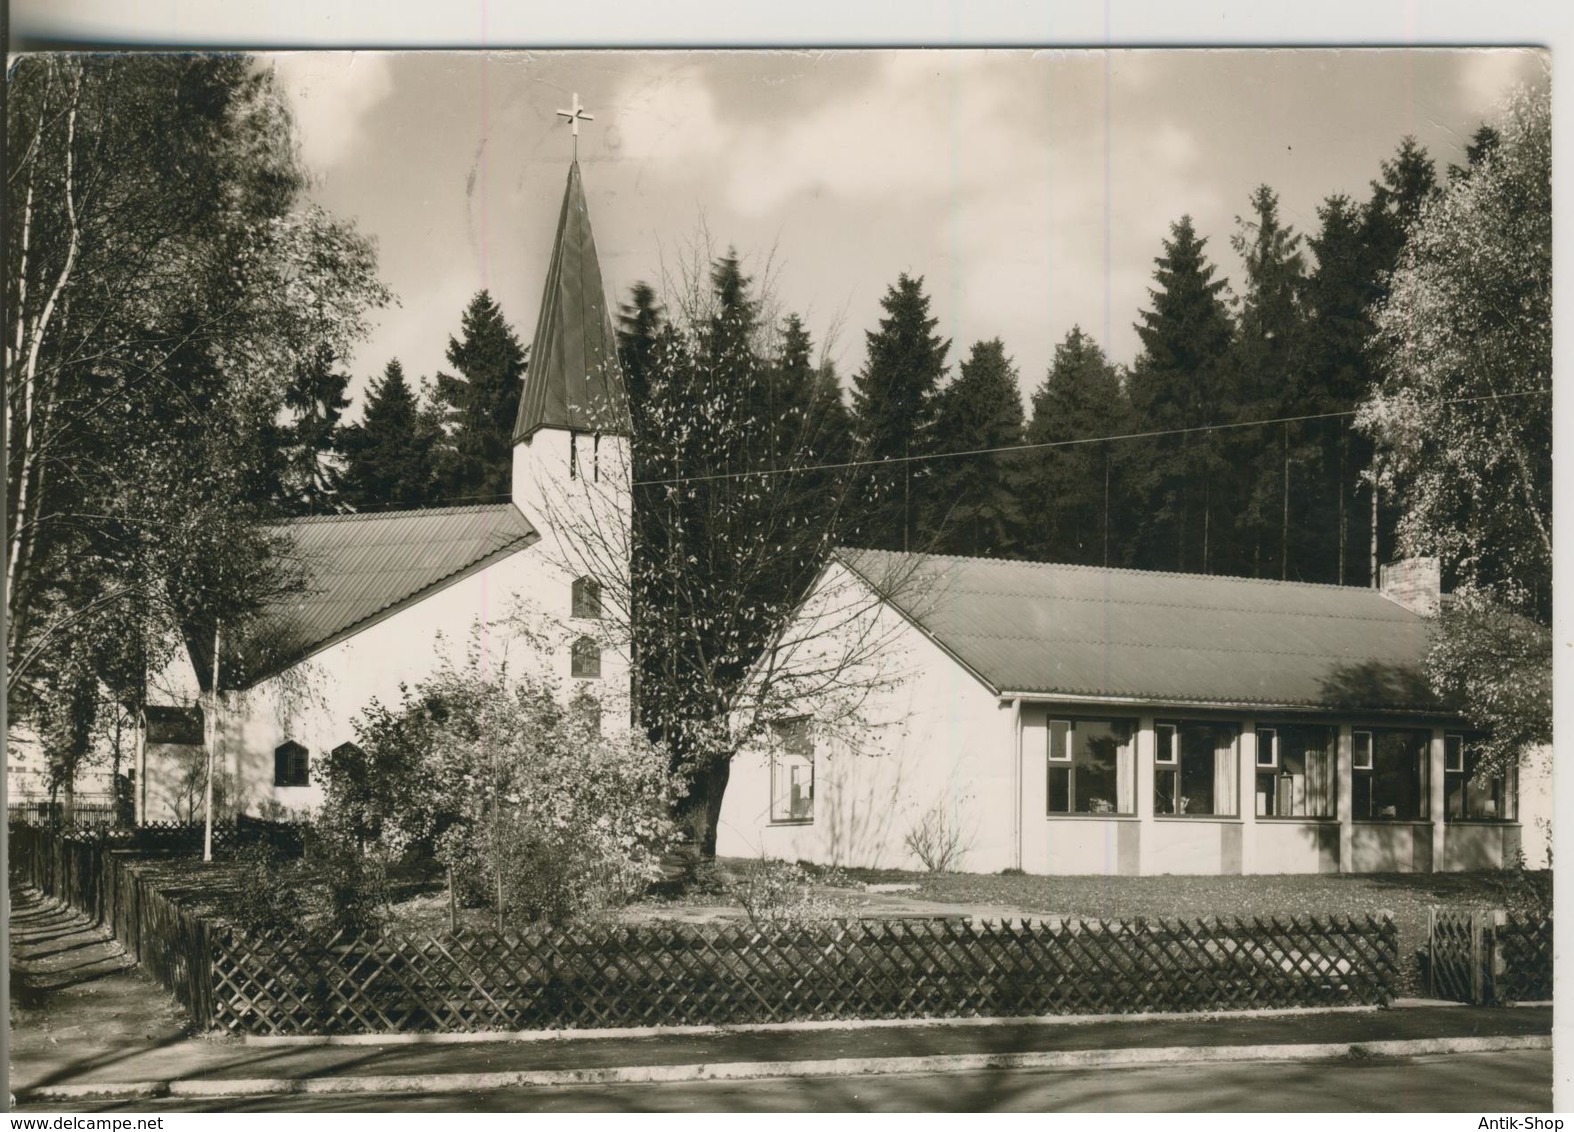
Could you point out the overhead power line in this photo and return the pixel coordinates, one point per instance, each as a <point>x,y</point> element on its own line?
<point>893,461</point>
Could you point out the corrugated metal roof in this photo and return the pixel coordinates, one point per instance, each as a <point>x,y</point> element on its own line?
<point>359,568</point>
<point>573,379</point>
<point>1036,627</point>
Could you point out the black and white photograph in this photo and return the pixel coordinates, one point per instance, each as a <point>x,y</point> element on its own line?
<point>738,580</point>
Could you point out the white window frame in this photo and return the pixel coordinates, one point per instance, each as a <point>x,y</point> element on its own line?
<point>1049,741</point>
<point>781,757</point>
<point>1356,762</point>
<point>1456,740</point>
<point>1272,735</point>
<point>1172,756</point>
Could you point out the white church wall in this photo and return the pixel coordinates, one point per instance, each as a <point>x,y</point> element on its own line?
<point>584,517</point>
<point>514,615</point>
<point>936,739</point>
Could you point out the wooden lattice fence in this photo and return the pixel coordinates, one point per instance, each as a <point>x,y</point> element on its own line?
<point>283,982</point>
<point>1453,956</point>
<point>1489,957</point>
<point>99,877</point>
<point>186,838</point>
<point>52,814</point>
<point>1520,956</point>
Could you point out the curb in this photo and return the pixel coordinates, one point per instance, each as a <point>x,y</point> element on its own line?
<point>627,1032</point>
<point>761,1070</point>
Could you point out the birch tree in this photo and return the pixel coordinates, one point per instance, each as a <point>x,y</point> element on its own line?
<point>166,278</point>
<point>1462,419</point>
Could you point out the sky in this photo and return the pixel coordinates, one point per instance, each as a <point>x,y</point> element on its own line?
<point>1031,190</point>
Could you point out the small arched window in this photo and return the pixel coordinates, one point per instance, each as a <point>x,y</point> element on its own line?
<point>587,598</point>
<point>291,764</point>
<point>345,755</point>
<point>585,659</point>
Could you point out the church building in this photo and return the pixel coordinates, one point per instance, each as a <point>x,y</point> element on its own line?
<point>391,597</point>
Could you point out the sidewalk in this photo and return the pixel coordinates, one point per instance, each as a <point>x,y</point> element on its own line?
<point>75,1057</point>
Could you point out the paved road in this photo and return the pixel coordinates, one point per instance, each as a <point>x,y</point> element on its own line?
<point>1519,1081</point>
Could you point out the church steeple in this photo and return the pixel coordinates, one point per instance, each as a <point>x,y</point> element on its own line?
<point>573,381</point>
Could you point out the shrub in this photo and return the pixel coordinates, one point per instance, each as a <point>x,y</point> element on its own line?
<point>529,806</point>
<point>937,840</point>
<point>778,894</point>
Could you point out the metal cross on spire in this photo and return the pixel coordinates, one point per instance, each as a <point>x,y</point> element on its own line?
<point>574,118</point>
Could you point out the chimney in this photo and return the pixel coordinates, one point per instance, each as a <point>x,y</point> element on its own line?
<point>1415,583</point>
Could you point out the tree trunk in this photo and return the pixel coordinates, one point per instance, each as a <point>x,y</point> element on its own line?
<point>1106,507</point>
<point>1284,522</point>
<point>1374,534</point>
<point>1344,532</point>
<point>705,800</point>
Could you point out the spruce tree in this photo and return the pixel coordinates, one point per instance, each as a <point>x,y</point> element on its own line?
<point>973,506</point>
<point>832,424</point>
<point>479,403</point>
<point>388,455</point>
<point>1178,382</point>
<point>1338,374</point>
<point>314,401</point>
<point>1271,464</point>
<point>640,323</point>
<point>894,411</point>
<point>1075,493</point>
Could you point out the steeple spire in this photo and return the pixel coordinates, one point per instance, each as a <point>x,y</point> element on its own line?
<point>573,381</point>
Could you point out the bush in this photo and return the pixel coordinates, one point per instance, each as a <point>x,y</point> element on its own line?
<point>531,808</point>
<point>937,840</point>
<point>777,894</point>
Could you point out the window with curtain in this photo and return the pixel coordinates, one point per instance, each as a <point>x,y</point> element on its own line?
<point>1470,795</point>
<point>792,771</point>
<point>1194,768</point>
<point>1091,766</point>
<point>1295,771</point>
<point>1389,774</point>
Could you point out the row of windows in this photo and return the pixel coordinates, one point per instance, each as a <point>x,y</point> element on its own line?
<point>1091,769</point>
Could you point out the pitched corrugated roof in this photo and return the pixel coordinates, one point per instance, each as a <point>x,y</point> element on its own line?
<point>1036,627</point>
<point>573,379</point>
<point>360,568</point>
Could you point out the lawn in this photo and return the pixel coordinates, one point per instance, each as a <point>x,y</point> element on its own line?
<point>1407,896</point>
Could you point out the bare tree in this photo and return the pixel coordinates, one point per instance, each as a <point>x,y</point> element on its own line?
<point>713,533</point>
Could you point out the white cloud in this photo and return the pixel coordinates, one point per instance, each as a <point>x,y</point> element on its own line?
<point>330,93</point>
<point>1488,75</point>
<point>924,126</point>
<point>666,119</point>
